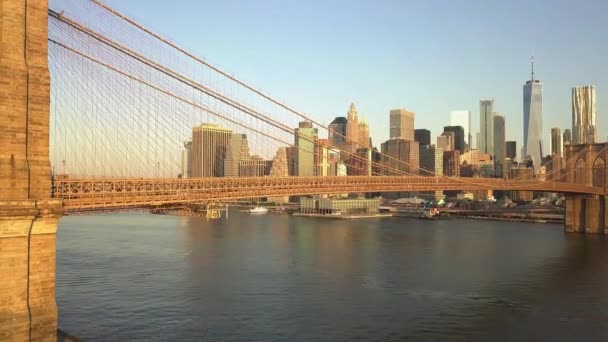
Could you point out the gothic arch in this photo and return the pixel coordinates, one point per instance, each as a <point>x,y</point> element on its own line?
<point>579,171</point>
<point>599,175</point>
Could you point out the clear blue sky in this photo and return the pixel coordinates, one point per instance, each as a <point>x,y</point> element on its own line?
<point>429,57</point>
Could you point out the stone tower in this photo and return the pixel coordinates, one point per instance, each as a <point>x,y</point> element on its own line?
<point>28,216</point>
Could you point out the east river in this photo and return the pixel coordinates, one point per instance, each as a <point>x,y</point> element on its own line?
<point>135,276</point>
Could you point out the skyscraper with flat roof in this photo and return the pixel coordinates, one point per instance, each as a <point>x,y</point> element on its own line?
<point>485,142</point>
<point>511,150</point>
<point>210,144</point>
<point>567,137</point>
<point>187,160</point>
<point>462,118</point>
<point>533,120</point>
<point>337,131</point>
<point>556,141</point>
<point>459,137</point>
<point>422,136</point>
<point>584,129</point>
<point>239,150</point>
<point>305,143</point>
<point>499,145</point>
<point>400,155</point>
<point>401,124</point>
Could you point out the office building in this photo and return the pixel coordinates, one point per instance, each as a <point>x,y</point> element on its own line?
<point>459,137</point>
<point>239,150</point>
<point>363,134</point>
<point>322,158</point>
<point>511,150</point>
<point>446,141</point>
<point>279,163</point>
<point>584,129</point>
<point>187,160</point>
<point>567,137</point>
<point>462,118</point>
<point>401,124</point>
<point>352,128</point>
<point>210,144</point>
<point>431,161</point>
<point>305,140</point>
<point>337,131</point>
<point>362,164</point>
<point>254,167</point>
<point>521,173</point>
<point>485,140</point>
<point>400,156</point>
<point>422,136</point>
<point>279,168</point>
<point>499,145</point>
<point>451,163</point>
<point>533,120</point>
<point>556,141</point>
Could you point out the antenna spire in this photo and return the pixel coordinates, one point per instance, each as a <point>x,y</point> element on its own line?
<point>532,62</point>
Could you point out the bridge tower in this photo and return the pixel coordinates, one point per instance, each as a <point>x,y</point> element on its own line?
<point>586,165</point>
<point>28,215</point>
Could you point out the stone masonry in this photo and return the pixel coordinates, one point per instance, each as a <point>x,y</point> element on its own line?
<point>28,215</point>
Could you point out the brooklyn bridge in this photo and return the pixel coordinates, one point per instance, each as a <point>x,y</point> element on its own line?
<point>95,111</point>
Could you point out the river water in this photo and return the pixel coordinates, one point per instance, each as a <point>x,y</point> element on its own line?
<point>280,278</point>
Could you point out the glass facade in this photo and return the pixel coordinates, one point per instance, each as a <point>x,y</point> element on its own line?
<point>533,121</point>
<point>462,118</point>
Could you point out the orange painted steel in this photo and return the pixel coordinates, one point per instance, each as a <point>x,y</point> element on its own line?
<point>104,194</point>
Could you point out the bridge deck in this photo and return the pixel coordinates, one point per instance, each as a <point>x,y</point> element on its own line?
<point>123,193</point>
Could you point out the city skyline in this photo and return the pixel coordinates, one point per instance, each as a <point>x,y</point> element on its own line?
<point>325,89</point>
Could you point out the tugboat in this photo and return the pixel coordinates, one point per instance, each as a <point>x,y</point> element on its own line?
<point>258,210</point>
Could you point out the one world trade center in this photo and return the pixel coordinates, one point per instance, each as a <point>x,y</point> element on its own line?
<point>533,120</point>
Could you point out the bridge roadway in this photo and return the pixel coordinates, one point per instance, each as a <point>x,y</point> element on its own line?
<point>122,193</point>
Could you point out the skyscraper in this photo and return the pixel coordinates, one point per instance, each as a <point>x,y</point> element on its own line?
<point>363,134</point>
<point>239,150</point>
<point>446,141</point>
<point>431,160</point>
<point>511,150</point>
<point>402,155</point>
<point>451,163</point>
<point>352,127</point>
<point>337,131</point>
<point>486,126</point>
<point>556,141</point>
<point>401,124</point>
<point>584,129</point>
<point>422,136</point>
<point>499,145</point>
<point>459,137</point>
<point>567,137</point>
<point>210,144</point>
<point>462,118</point>
<point>187,159</point>
<point>533,120</point>
<point>305,141</point>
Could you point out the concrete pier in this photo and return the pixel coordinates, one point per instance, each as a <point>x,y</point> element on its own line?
<point>28,216</point>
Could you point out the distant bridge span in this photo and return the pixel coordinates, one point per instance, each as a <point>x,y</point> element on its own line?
<point>107,194</point>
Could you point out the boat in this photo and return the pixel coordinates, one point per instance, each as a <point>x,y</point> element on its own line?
<point>430,213</point>
<point>258,210</point>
